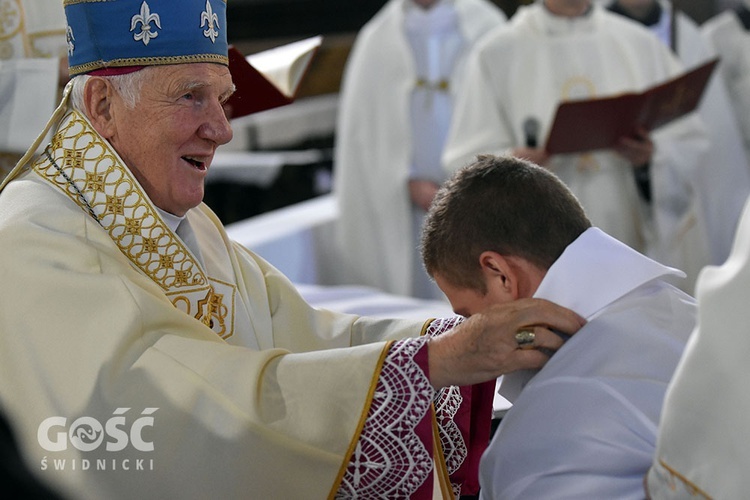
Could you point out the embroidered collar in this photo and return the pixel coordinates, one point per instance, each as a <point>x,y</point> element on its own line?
<point>88,170</point>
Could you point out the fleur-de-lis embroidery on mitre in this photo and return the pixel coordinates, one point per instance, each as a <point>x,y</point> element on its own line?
<point>211,21</point>
<point>145,18</point>
<point>70,39</point>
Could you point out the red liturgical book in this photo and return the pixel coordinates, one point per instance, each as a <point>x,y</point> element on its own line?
<point>271,78</point>
<point>585,125</point>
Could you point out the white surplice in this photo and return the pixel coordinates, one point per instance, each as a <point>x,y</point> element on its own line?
<point>585,425</point>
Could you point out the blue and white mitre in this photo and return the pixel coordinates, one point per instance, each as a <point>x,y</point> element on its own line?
<point>111,34</point>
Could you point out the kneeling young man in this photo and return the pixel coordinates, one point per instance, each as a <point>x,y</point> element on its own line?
<point>504,229</point>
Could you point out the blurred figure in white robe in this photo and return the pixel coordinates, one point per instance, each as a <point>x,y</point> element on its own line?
<point>396,106</point>
<point>33,68</point>
<point>724,185</point>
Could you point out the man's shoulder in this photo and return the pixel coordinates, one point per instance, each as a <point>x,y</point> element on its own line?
<point>499,40</point>
<point>42,228</point>
<point>570,432</point>
<point>29,198</point>
<point>484,8</point>
<point>646,318</point>
<point>651,324</point>
<point>658,304</point>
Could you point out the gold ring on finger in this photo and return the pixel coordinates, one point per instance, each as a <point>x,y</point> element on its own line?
<point>525,339</point>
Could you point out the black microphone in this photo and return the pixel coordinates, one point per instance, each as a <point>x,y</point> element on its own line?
<point>531,132</point>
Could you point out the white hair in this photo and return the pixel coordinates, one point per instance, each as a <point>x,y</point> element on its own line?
<point>128,86</point>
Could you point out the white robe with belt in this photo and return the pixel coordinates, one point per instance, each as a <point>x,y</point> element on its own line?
<point>374,145</point>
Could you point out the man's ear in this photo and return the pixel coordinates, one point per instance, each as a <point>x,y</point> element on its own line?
<point>98,102</point>
<point>499,274</point>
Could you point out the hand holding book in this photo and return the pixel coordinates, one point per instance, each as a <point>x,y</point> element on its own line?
<point>598,123</point>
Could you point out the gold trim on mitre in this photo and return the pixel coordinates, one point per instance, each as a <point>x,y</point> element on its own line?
<point>149,61</point>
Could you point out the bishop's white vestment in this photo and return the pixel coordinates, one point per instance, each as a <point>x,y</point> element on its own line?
<point>143,358</point>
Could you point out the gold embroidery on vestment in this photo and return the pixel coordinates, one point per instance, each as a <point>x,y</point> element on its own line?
<point>94,182</point>
<point>692,488</point>
<point>91,175</point>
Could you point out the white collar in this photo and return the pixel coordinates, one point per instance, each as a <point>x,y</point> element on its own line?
<point>595,270</point>
<point>170,220</point>
<point>592,272</point>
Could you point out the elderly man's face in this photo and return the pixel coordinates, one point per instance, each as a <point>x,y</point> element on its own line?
<point>168,140</point>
